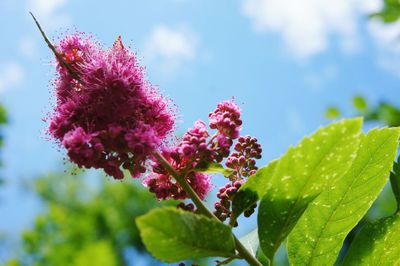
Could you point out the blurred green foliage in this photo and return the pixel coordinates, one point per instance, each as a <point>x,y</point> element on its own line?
<point>385,113</point>
<point>359,103</point>
<point>83,223</point>
<point>390,11</point>
<point>3,121</point>
<point>332,112</point>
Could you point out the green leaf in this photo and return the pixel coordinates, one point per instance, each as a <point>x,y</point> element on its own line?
<point>319,234</point>
<point>99,253</point>
<point>173,235</point>
<point>213,168</point>
<point>262,258</point>
<point>3,115</point>
<point>332,112</point>
<point>389,114</point>
<point>376,244</point>
<point>395,182</point>
<point>359,103</point>
<point>301,175</point>
<point>253,189</point>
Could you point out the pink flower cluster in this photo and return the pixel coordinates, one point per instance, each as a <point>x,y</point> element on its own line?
<point>190,151</point>
<point>162,184</point>
<point>107,115</point>
<point>199,147</point>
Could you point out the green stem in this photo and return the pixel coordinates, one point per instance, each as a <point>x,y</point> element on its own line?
<point>245,254</point>
<point>53,49</point>
<point>232,220</point>
<point>188,189</point>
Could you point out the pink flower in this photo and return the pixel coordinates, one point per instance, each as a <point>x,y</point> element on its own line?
<point>163,185</point>
<point>226,119</point>
<point>194,142</point>
<point>82,147</point>
<point>111,117</point>
<point>196,147</point>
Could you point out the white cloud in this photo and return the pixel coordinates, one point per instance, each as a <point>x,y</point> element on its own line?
<point>308,25</point>
<point>48,12</point>
<point>170,48</point>
<point>11,75</point>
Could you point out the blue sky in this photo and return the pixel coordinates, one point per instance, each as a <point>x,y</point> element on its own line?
<point>284,61</point>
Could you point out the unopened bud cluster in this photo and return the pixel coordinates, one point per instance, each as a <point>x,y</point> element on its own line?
<point>247,149</point>
<point>243,163</point>
<point>225,195</point>
<point>226,119</point>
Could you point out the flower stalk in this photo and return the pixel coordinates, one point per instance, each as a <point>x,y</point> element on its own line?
<point>244,253</point>
<point>53,49</point>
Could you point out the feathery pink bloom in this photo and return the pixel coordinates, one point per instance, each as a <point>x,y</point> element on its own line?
<point>111,118</point>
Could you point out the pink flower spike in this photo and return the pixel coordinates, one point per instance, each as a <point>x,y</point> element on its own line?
<point>111,118</point>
